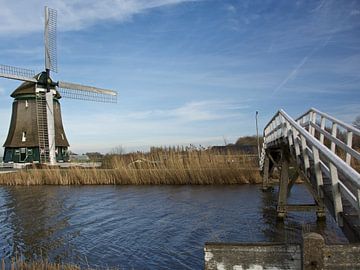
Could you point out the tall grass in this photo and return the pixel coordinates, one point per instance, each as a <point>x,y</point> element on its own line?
<point>36,265</point>
<point>163,166</point>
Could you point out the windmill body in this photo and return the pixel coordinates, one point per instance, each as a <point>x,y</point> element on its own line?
<point>26,140</point>
<point>36,132</point>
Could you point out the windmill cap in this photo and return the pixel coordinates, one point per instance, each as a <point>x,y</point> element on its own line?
<point>28,88</point>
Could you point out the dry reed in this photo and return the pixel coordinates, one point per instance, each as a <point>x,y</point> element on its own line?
<point>18,264</point>
<point>170,167</point>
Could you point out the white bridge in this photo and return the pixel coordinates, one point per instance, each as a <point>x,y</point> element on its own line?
<point>318,148</point>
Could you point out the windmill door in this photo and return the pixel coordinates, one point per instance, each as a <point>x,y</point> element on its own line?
<point>23,154</point>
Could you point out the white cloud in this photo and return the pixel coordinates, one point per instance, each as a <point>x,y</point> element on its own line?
<point>19,17</point>
<point>188,123</point>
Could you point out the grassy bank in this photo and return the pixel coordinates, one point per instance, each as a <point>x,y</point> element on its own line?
<point>165,166</point>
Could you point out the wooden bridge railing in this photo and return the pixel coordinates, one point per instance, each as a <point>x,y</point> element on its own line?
<point>305,139</point>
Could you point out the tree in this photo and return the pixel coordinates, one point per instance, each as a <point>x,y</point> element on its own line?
<point>118,150</point>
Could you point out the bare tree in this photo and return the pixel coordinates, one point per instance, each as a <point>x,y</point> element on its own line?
<point>356,123</point>
<point>118,150</point>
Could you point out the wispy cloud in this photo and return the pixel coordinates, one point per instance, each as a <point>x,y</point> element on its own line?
<point>230,8</point>
<point>18,17</point>
<point>188,123</point>
<point>207,110</point>
<point>331,31</point>
<point>355,12</point>
<point>346,113</point>
<point>292,73</point>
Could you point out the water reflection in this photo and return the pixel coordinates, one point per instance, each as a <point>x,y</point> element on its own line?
<point>35,223</point>
<point>141,226</point>
<point>296,223</point>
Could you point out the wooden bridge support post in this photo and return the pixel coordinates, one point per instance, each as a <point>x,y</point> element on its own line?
<point>265,184</point>
<point>283,186</point>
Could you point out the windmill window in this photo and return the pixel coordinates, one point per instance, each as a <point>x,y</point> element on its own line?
<point>23,138</point>
<point>26,104</point>
<point>62,136</point>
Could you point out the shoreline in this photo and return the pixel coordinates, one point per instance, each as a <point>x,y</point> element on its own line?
<point>162,167</point>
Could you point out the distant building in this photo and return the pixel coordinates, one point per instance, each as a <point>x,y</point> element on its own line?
<point>79,158</point>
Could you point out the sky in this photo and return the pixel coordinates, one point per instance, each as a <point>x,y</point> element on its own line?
<point>188,71</point>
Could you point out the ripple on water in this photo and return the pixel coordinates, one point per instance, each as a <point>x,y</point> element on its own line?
<point>141,226</point>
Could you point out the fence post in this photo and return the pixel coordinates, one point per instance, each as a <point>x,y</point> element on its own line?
<point>322,126</point>
<point>349,137</point>
<point>305,153</point>
<point>313,121</point>
<point>336,194</point>
<point>333,133</point>
<point>318,173</point>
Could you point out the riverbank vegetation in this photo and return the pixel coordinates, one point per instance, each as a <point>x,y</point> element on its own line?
<point>171,166</point>
<point>18,264</point>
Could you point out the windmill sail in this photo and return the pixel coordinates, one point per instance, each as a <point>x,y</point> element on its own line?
<point>15,73</point>
<point>83,92</point>
<point>50,39</point>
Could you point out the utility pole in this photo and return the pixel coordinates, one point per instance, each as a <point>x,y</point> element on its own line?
<point>257,134</point>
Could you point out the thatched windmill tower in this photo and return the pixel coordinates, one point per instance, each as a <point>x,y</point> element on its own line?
<point>36,132</point>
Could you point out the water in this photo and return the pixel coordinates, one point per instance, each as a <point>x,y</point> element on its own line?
<point>143,227</point>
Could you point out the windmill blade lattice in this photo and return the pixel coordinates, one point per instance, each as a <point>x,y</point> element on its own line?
<point>50,39</point>
<point>84,92</point>
<point>16,73</point>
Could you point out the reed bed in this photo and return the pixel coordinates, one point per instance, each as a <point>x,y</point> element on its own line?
<point>36,265</point>
<point>163,167</point>
<point>18,264</point>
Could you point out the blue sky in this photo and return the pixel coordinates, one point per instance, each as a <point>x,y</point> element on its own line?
<point>188,71</point>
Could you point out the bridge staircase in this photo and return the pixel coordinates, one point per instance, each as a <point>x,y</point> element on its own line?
<point>318,148</point>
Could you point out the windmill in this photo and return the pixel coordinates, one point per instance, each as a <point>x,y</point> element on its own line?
<point>36,132</point>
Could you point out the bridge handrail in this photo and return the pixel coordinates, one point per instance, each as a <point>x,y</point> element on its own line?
<point>305,138</point>
<point>341,165</point>
<point>309,120</point>
<point>332,119</point>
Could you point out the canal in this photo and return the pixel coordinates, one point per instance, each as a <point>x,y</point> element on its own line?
<point>144,227</point>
